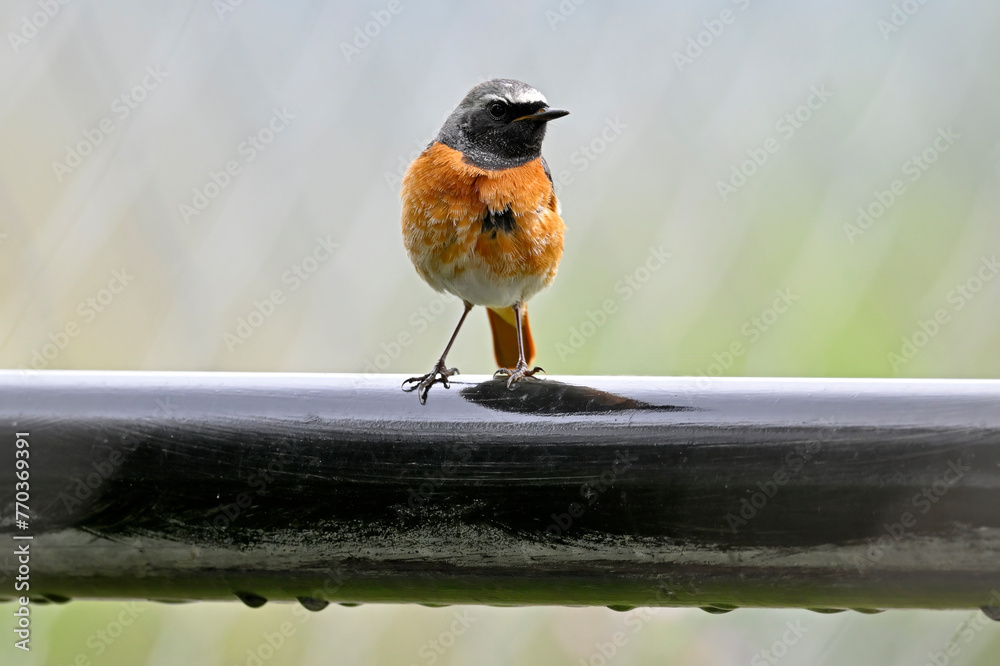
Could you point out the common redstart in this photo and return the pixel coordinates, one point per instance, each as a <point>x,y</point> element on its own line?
<point>481,220</point>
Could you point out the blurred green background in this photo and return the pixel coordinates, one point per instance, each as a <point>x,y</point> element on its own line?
<point>750,188</point>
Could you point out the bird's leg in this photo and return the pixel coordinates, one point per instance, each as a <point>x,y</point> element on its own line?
<point>521,371</point>
<point>440,373</point>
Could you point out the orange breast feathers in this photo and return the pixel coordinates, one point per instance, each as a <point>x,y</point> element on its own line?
<point>445,201</point>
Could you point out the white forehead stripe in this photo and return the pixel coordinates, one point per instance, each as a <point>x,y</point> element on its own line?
<point>528,96</point>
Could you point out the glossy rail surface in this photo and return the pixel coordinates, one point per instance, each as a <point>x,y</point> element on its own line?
<point>618,491</point>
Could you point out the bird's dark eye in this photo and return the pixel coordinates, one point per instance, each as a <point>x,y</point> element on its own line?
<point>497,109</point>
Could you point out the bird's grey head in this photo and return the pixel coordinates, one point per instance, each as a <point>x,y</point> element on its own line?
<point>499,124</point>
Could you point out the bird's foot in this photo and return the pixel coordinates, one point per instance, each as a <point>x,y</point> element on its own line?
<point>423,384</point>
<point>517,374</point>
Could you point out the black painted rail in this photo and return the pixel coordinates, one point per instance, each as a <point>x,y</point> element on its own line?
<point>631,491</point>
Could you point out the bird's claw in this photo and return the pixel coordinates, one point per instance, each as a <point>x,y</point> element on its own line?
<point>422,384</point>
<point>517,374</point>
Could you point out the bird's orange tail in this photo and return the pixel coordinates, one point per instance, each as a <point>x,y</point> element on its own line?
<point>505,336</point>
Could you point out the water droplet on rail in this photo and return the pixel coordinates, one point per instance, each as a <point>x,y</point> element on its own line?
<point>250,599</point>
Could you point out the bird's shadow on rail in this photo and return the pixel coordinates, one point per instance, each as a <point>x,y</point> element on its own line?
<point>549,397</point>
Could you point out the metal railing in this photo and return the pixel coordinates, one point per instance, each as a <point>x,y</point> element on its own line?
<point>632,491</point>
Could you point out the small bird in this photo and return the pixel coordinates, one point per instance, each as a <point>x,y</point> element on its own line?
<point>481,220</point>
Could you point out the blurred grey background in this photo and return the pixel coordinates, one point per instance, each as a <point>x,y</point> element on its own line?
<point>750,188</point>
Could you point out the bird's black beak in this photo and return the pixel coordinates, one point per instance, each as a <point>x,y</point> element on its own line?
<point>544,115</point>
